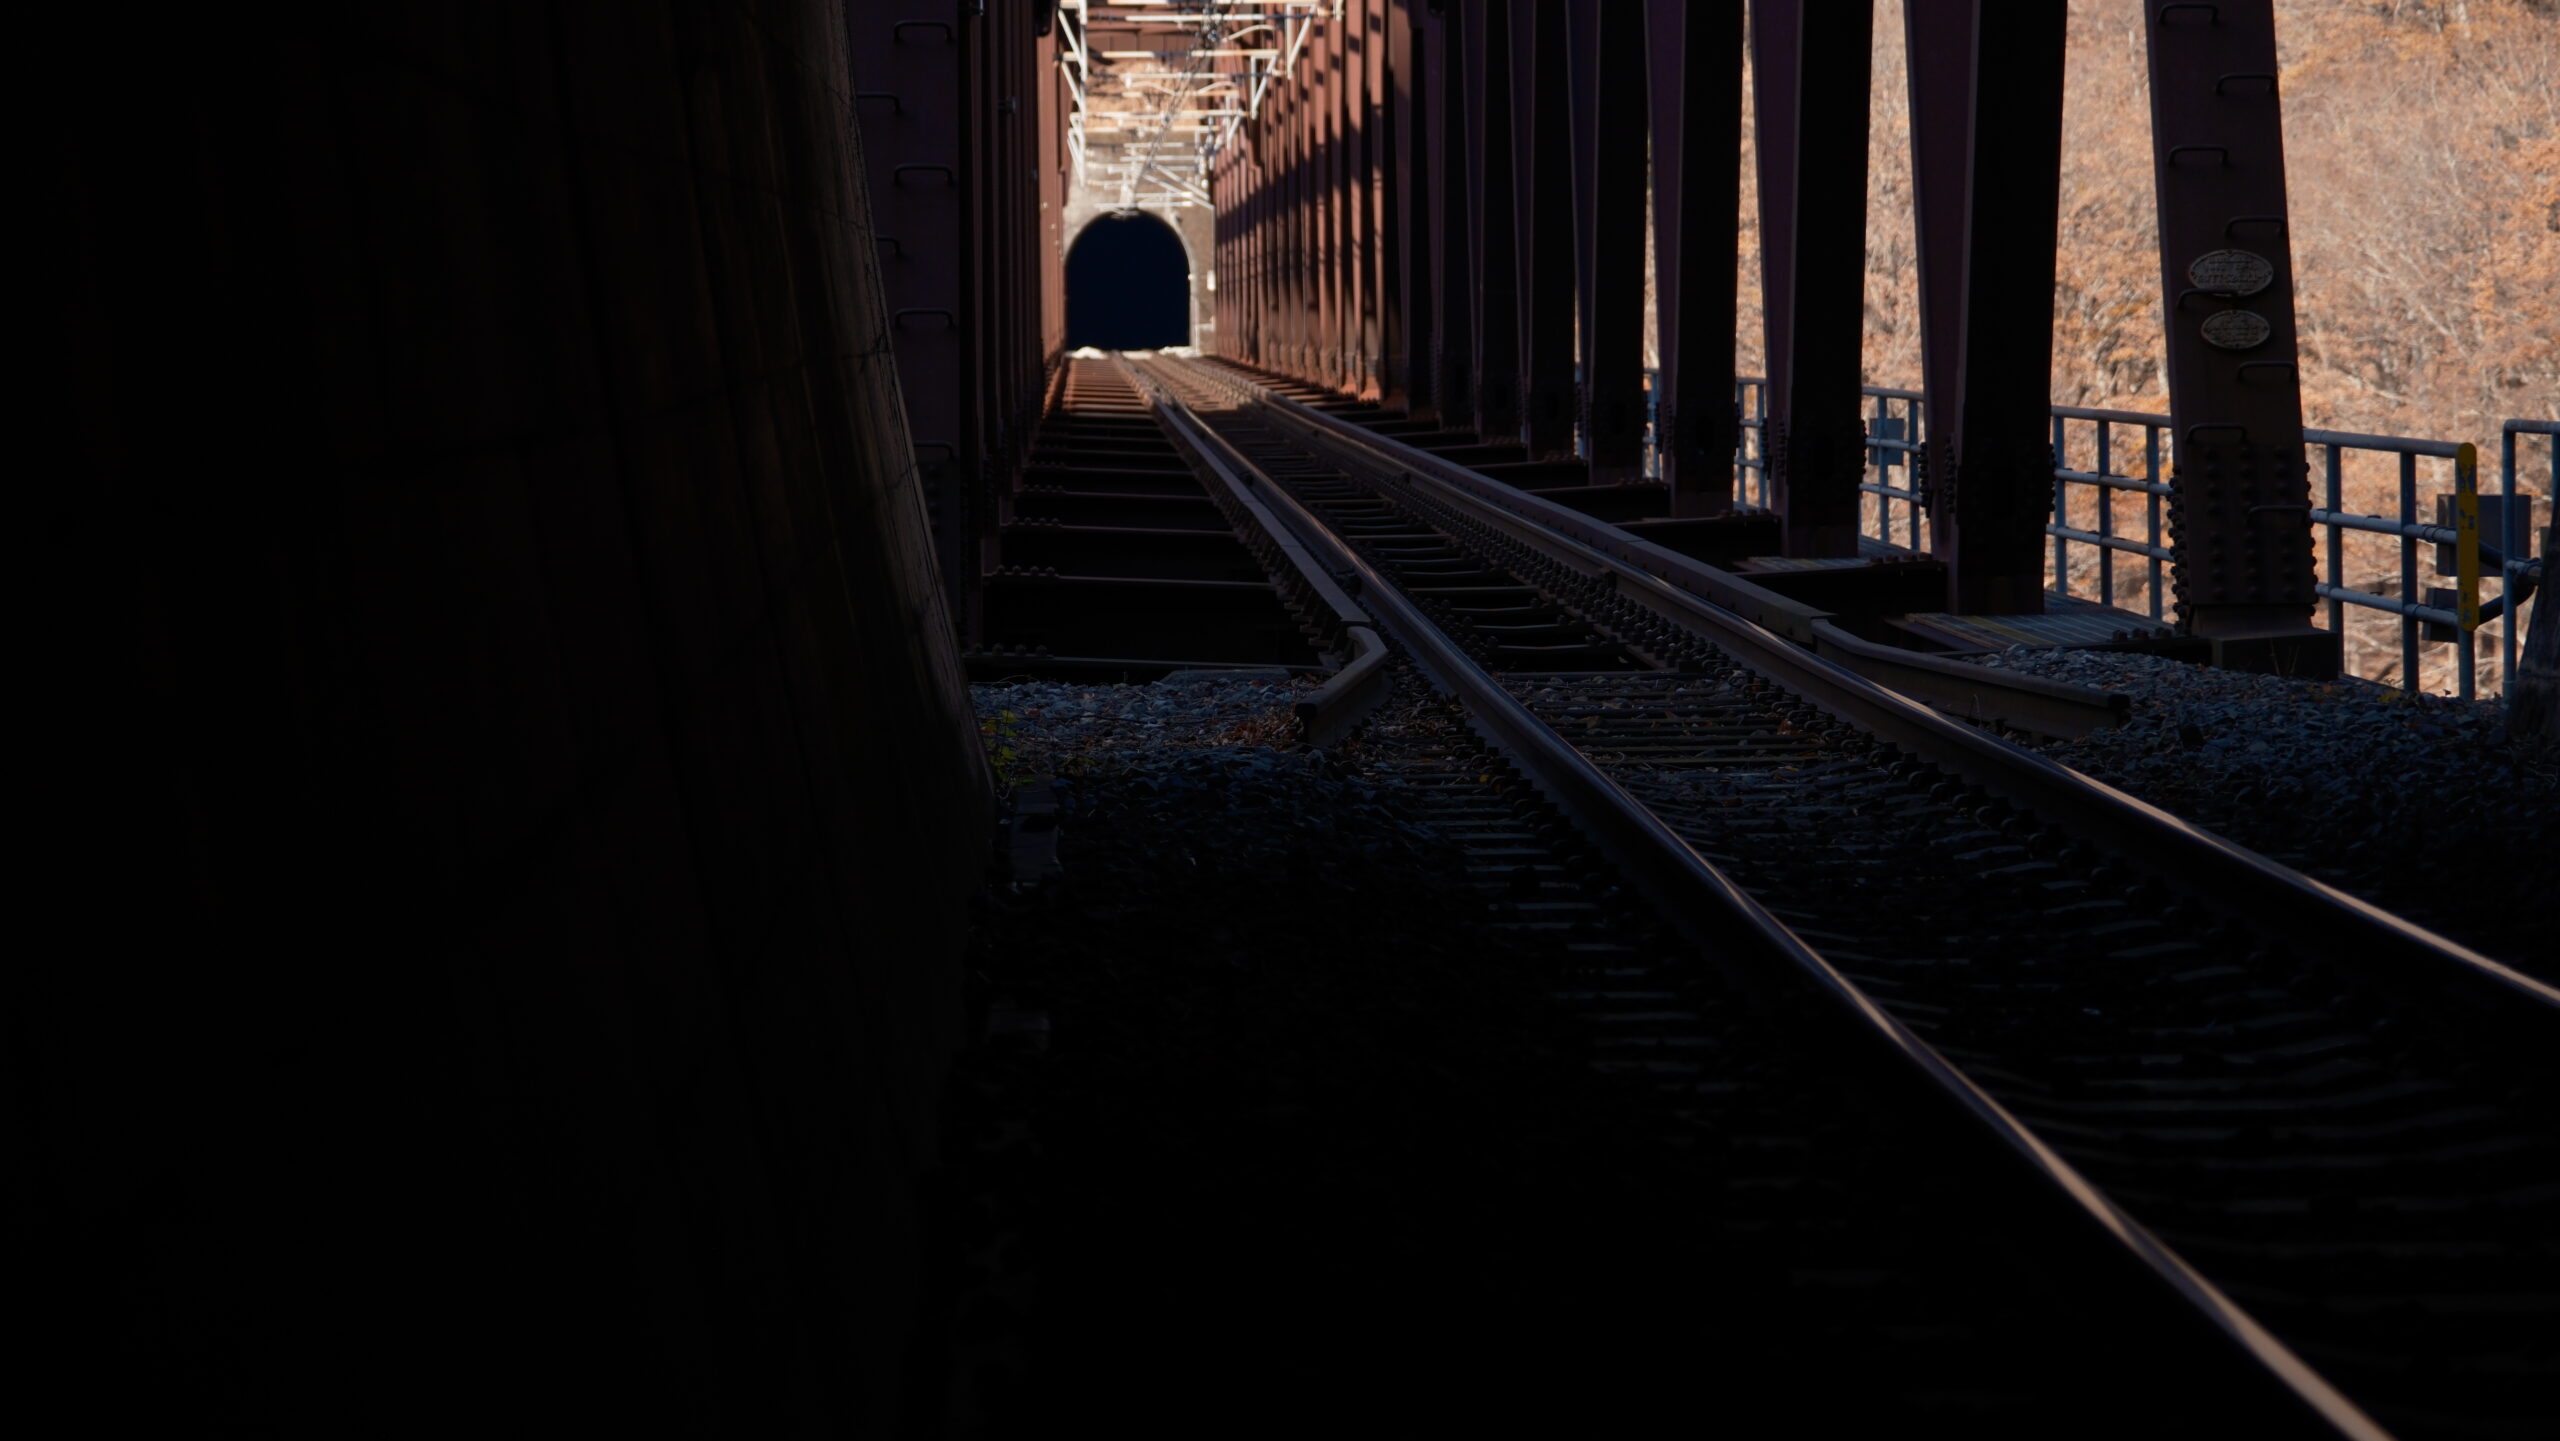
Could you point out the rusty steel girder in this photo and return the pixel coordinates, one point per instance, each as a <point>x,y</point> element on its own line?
<point>1608,78</point>
<point>1986,165</point>
<point>1695,100</point>
<point>1542,208</point>
<point>1493,217</point>
<point>910,108</point>
<point>963,139</point>
<point>1454,264</point>
<point>1378,270</point>
<point>1400,215</point>
<point>2240,513</point>
<point>1405,335</point>
<point>1809,100</point>
<point>1324,141</point>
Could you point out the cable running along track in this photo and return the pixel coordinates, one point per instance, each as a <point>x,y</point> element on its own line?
<point>2289,1112</point>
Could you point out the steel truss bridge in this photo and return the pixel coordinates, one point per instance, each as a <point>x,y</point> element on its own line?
<point>1440,207</point>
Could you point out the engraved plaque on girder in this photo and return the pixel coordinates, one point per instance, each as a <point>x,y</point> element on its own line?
<point>2231,272</point>
<point>2236,330</point>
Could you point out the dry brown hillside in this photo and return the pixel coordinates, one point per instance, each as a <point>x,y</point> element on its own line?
<point>2423,151</point>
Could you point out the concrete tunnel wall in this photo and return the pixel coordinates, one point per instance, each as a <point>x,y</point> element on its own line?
<point>512,797</point>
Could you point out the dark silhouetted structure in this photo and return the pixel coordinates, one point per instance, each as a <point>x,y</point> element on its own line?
<point>519,810</point>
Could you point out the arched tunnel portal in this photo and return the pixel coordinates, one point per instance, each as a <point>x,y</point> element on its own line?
<point>1129,284</point>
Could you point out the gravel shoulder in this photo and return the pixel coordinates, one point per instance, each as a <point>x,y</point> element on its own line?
<point>2419,804</point>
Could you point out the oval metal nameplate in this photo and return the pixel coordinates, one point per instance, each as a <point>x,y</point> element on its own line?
<point>2236,329</point>
<point>2231,272</point>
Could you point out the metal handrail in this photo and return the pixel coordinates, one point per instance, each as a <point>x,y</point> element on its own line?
<point>2513,536</point>
<point>2407,529</point>
<point>1902,413</point>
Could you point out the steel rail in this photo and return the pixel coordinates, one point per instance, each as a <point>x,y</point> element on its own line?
<point>1721,918</point>
<point>1977,693</point>
<point>1360,685</point>
<point>2264,894</point>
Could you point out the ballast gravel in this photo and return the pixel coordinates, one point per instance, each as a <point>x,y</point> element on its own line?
<point>2421,804</point>
<point>1212,1107</point>
<point>1036,729</point>
<point>1277,1130</point>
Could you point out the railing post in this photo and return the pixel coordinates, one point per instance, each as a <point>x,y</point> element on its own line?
<point>1884,503</point>
<point>2466,550</point>
<point>2106,516</point>
<point>2333,500</point>
<point>2507,550</point>
<point>2408,571</point>
<point>2061,515</point>
<point>2151,511</point>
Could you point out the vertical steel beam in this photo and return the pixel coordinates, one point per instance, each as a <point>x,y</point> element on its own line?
<point>1810,104</point>
<point>1356,301</point>
<point>1293,259</point>
<point>1222,229</point>
<point>988,493</point>
<point>1220,218</point>
<point>1255,195</point>
<point>2240,515</point>
<point>1279,162</point>
<point>1254,177</point>
<point>1307,105</point>
<point>1237,336</point>
<point>1695,95</point>
<point>1221,222</point>
<point>1342,188</point>
<point>1358,304</point>
<point>1020,176</point>
<point>1286,270</point>
<point>1542,189</point>
<point>1324,115</point>
<point>1261,182</point>
<point>1453,363</point>
<point>1405,338</point>
<point>1271,156</point>
<point>1608,76</point>
<point>1492,222</point>
<point>916,145</point>
<point>1235,272</point>
<point>1377,224</point>
<point>1986,164</point>
<point>1229,271</point>
<point>1050,155</point>
<point>1298,268</point>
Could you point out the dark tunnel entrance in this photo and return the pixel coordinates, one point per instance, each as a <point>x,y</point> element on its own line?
<point>1128,285</point>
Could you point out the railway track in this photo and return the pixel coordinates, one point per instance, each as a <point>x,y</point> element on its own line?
<point>2241,1099</point>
